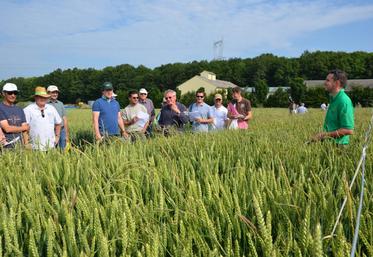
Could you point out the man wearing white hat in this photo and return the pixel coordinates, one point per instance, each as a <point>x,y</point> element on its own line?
<point>12,118</point>
<point>44,121</point>
<point>144,100</point>
<point>64,135</point>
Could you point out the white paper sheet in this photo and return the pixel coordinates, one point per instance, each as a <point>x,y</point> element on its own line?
<point>194,115</point>
<point>143,118</point>
<point>13,141</point>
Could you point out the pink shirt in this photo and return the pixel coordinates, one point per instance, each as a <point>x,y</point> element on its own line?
<point>242,124</point>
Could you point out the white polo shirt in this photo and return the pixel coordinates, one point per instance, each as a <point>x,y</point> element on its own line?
<point>42,128</point>
<point>220,116</point>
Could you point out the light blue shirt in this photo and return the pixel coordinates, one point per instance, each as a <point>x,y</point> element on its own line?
<point>302,109</point>
<point>199,111</point>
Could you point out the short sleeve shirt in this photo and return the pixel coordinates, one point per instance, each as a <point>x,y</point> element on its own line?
<point>59,107</point>
<point>243,107</point>
<point>15,117</point>
<point>108,117</point>
<point>202,111</point>
<point>220,116</point>
<point>340,114</point>
<point>42,125</point>
<point>131,112</point>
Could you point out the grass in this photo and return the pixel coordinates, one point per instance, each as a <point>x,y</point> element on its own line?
<point>260,192</point>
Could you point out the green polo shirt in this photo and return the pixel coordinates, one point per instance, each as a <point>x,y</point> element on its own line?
<point>340,114</point>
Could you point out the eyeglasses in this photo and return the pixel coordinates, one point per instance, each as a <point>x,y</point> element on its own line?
<point>218,99</point>
<point>143,94</point>
<point>200,96</point>
<point>42,113</point>
<point>12,92</point>
<point>170,97</point>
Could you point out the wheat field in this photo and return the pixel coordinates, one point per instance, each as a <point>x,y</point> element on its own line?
<point>261,192</point>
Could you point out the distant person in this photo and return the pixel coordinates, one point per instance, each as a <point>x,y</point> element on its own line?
<point>324,107</point>
<point>240,109</point>
<point>219,113</point>
<point>135,117</point>
<point>200,114</point>
<point>12,118</point>
<point>339,119</point>
<point>107,119</point>
<point>64,135</point>
<point>302,109</point>
<point>44,121</point>
<point>148,103</point>
<point>292,106</point>
<point>173,113</point>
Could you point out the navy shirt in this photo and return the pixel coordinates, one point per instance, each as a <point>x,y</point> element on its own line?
<point>168,117</point>
<point>108,117</point>
<point>15,117</point>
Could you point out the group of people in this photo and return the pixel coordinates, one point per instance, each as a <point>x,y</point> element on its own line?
<point>43,125</point>
<point>137,119</point>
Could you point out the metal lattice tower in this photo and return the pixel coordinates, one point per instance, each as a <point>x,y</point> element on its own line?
<point>218,50</point>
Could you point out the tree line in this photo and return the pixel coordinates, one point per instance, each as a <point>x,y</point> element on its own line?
<point>261,72</point>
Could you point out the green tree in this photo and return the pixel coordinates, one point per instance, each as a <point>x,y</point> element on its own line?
<point>297,89</point>
<point>278,99</point>
<point>261,90</point>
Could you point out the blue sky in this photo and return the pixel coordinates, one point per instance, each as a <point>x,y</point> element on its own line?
<point>39,36</point>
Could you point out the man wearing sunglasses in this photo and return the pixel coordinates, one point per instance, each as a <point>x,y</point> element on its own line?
<point>135,117</point>
<point>106,115</point>
<point>12,118</point>
<point>200,114</point>
<point>44,121</point>
<point>173,113</point>
<point>339,119</point>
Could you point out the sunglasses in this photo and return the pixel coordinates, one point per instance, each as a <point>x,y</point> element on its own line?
<point>218,99</point>
<point>200,96</point>
<point>42,113</point>
<point>143,94</point>
<point>12,92</point>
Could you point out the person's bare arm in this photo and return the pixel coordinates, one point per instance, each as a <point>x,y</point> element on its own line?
<point>2,137</point>
<point>57,132</point>
<point>96,129</point>
<point>13,129</point>
<point>145,127</point>
<point>332,134</point>
<point>249,116</point>
<point>121,124</point>
<point>65,125</point>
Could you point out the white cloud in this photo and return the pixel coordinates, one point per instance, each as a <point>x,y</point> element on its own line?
<point>39,36</point>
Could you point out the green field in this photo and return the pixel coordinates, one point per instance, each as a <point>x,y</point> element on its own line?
<point>261,192</point>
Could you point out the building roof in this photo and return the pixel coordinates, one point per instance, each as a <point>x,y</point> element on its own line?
<point>350,83</point>
<point>219,83</point>
<point>209,72</point>
<point>274,89</point>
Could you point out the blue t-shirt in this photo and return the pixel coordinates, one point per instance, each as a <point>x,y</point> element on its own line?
<point>108,117</point>
<point>15,117</point>
<point>199,111</point>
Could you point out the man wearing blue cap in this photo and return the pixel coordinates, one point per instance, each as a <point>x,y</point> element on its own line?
<point>106,115</point>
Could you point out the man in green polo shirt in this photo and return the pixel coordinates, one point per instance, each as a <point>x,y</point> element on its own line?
<point>339,119</point>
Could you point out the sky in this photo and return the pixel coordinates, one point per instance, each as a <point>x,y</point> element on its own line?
<point>39,36</point>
